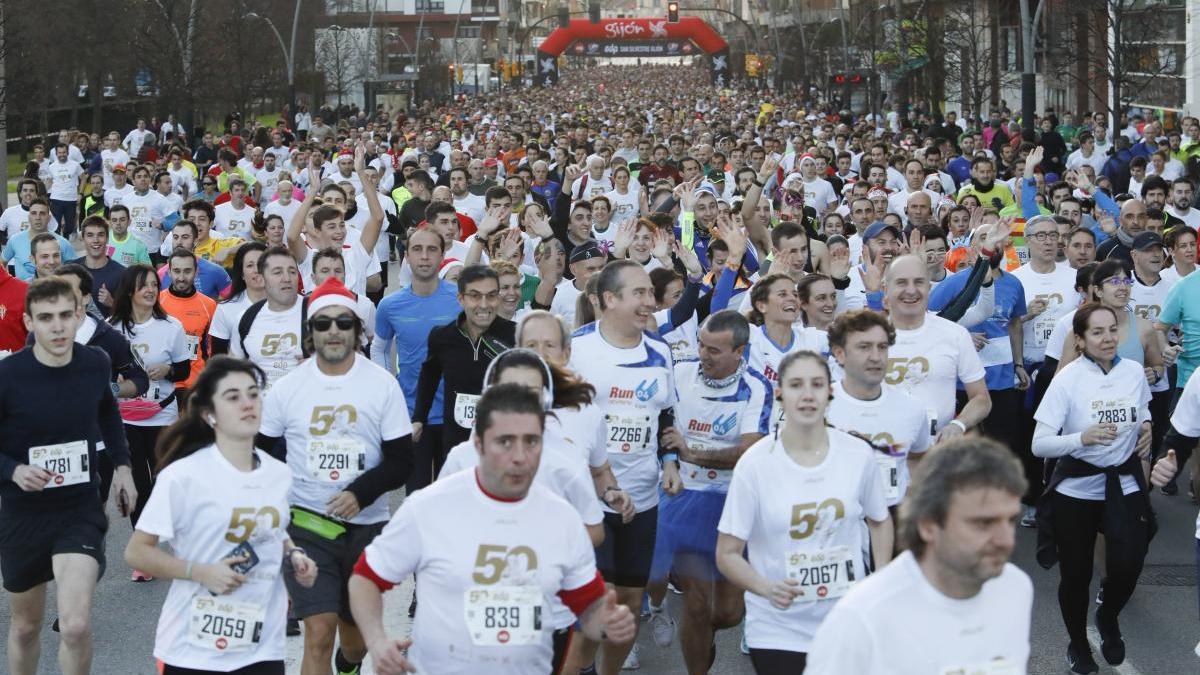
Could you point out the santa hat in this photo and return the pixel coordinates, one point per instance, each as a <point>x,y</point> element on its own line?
<point>332,293</point>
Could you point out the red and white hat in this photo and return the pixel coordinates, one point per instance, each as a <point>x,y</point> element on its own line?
<point>332,293</point>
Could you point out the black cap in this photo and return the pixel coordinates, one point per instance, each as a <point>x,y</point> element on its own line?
<point>586,251</point>
<point>1147,240</point>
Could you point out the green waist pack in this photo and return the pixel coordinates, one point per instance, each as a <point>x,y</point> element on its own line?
<point>317,524</point>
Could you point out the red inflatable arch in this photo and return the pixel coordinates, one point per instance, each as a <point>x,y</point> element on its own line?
<point>655,37</point>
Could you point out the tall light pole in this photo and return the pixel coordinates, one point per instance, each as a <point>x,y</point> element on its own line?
<point>289,58</point>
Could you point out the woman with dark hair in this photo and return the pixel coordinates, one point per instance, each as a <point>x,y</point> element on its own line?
<point>227,605</point>
<point>801,559</point>
<point>160,343</point>
<point>1095,419</point>
<point>247,287</point>
<point>775,315</point>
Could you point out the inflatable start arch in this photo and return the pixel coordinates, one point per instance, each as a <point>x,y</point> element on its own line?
<point>634,37</point>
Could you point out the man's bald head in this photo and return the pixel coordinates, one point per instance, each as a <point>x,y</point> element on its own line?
<point>442,193</point>
<point>1133,216</point>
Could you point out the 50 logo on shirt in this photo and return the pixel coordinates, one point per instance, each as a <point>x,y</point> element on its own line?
<point>809,517</point>
<point>495,563</point>
<point>911,370</point>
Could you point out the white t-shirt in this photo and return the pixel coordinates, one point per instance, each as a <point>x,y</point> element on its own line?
<point>928,363</point>
<point>145,213</point>
<point>684,339</point>
<point>1191,217</point>
<point>1082,395</point>
<point>764,356</point>
<point>1171,275</point>
<point>234,222</point>
<point>1058,336</point>
<point>109,159</point>
<point>782,510</point>
<point>15,220</point>
<point>580,433</point>
<point>334,425</point>
<point>269,180</point>
<point>1058,290</point>
<point>273,341</point>
<point>158,342</point>
<point>465,545</point>
<point>285,211</point>
<point>624,206</point>
<point>715,419</point>
<point>182,179</point>
<point>65,175</point>
<point>357,261</point>
<point>632,386</point>
<point>114,195</point>
<point>819,194</point>
<point>591,188</point>
<point>472,206</point>
<point>225,319</point>
<point>896,623</point>
<point>561,478</point>
<point>895,420</point>
<point>565,297</point>
<point>204,507</point>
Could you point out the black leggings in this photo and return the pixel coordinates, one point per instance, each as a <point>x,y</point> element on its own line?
<point>1076,524</point>
<point>260,668</point>
<point>777,661</point>
<point>141,455</point>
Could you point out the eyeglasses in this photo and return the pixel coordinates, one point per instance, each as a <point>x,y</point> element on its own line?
<point>1119,281</point>
<point>321,324</point>
<point>1044,236</point>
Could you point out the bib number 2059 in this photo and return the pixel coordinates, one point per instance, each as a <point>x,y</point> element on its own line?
<point>224,625</point>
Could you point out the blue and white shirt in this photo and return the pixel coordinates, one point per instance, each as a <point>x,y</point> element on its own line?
<point>713,419</point>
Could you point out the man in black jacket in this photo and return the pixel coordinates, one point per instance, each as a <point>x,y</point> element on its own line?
<point>459,353</point>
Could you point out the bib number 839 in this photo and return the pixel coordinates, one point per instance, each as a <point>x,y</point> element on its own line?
<point>502,617</point>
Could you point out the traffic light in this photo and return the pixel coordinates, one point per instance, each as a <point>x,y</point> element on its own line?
<point>564,16</point>
<point>843,78</point>
<point>594,11</point>
<point>673,12</point>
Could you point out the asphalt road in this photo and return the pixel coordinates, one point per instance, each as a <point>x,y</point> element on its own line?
<point>1160,623</point>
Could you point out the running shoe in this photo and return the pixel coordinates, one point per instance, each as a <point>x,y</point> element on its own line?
<point>140,577</point>
<point>662,626</point>
<point>632,662</point>
<point>1080,660</point>
<point>1029,518</point>
<point>1112,647</point>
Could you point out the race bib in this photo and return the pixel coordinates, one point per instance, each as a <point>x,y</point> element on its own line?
<point>503,616</point>
<point>193,346</point>
<point>997,352</point>
<point>336,460</point>
<point>890,468</point>
<point>627,433</point>
<point>1042,328</point>
<point>464,410</point>
<point>224,625</point>
<point>1118,411</point>
<point>997,667</point>
<point>821,575</point>
<point>67,461</point>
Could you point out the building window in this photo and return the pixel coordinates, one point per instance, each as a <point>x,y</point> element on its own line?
<point>468,31</point>
<point>429,6</point>
<point>424,33</point>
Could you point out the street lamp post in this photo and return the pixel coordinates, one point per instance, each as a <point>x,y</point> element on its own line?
<point>289,57</point>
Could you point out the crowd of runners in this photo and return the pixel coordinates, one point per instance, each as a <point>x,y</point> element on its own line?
<point>626,336</point>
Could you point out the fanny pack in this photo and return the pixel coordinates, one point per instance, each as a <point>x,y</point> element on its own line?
<point>316,523</point>
<point>140,409</point>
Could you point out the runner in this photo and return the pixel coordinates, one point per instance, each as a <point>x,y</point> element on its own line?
<point>480,602</point>
<point>192,309</point>
<point>951,602</point>
<point>106,272</point>
<point>834,483</point>
<point>123,246</point>
<point>246,287</point>
<point>724,408</point>
<point>270,331</point>
<point>403,323</point>
<point>226,607</point>
<point>348,443</point>
<point>458,356</point>
<point>893,422</point>
<point>1095,418</point>
<point>211,279</point>
<point>160,343</point>
<point>19,250</point>
<point>635,388</point>
<point>52,519</point>
<point>775,313</point>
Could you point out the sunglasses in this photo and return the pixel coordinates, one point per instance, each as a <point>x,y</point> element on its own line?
<point>324,323</point>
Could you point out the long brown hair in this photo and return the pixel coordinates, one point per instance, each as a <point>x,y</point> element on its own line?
<point>191,432</point>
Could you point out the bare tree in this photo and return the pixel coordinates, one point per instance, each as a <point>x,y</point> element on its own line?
<point>970,54</point>
<point>1119,50</point>
<point>341,55</point>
